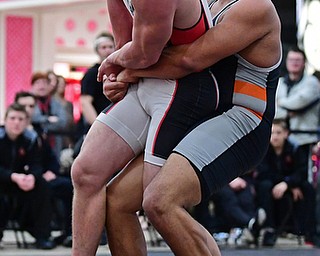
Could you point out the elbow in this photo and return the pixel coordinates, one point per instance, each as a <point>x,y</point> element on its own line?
<point>189,65</point>
<point>146,62</point>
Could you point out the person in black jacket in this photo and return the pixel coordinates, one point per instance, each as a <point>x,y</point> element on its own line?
<point>21,175</point>
<point>281,181</point>
<point>60,185</point>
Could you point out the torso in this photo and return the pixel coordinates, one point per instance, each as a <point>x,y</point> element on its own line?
<point>250,86</point>
<point>186,28</point>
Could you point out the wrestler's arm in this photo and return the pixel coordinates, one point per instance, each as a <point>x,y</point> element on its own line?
<point>153,22</point>
<point>121,22</point>
<point>236,32</point>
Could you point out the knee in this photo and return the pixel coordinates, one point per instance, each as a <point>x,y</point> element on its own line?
<point>154,206</point>
<point>82,176</point>
<point>116,202</point>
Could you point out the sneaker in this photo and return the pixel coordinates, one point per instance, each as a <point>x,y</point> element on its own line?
<point>234,236</point>
<point>247,237</point>
<point>313,240</point>
<point>269,238</point>
<point>45,244</point>
<point>1,236</point>
<point>256,222</point>
<point>67,242</point>
<point>58,240</point>
<point>221,238</point>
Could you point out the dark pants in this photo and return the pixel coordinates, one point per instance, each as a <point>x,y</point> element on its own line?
<point>303,211</point>
<point>62,189</point>
<point>235,207</point>
<point>231,209</point>
<point>31,209</point>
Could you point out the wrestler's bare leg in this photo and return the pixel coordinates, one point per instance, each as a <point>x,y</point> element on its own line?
<point>103,153</point>
<point>124,199</point>
<point>171,192</point>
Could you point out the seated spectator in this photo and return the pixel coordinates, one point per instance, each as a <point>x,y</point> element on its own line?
<point>61,186</point>
<point>68,138</point>
<point>21,175</point>
<point>49,116</point>
<point>281,179</point>
<point>234,208</point>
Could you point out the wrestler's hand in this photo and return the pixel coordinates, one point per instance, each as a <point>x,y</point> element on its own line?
<point>114,90</point>
<point>107,68</point>
<point>127,76</point>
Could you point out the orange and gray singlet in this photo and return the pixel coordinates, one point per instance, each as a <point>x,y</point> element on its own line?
<point>156,114</point>
<point>232,143</point>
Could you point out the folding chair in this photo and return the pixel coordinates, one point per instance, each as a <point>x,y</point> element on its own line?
<point>11,216</point>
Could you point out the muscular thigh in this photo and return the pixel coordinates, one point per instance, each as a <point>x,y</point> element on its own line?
<point>129,120</point>
<point>103,153</point>
<point>175,106</point>
<point>174,183</point>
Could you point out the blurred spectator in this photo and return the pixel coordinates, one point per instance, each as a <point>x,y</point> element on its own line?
<point>281,182</point>
<point>21,176</point>
<point>297,101</point>
<point>68,107</point>
<point>92,98</point>
<point>235,209</point>
<point>61,186</point>
<point>49,116</point>
<point>53,81</point>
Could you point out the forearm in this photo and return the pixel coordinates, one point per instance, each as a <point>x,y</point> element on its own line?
<point>171,65</point>
<point>178,61</point>
<point>89,113</point>
<point>147,43</point>
<point>134,56</point>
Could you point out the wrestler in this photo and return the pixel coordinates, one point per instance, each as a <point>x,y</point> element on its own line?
<point>155,114</point>
<point>244,50</point>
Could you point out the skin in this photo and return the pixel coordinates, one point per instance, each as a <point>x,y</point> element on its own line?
<point>90,174</point>
<point>295,64</point>
<point>141,47</point>
<point>165,201</point>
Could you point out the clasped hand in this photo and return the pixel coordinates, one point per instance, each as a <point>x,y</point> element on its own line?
<point>116,87</point>
<point>25,182</point>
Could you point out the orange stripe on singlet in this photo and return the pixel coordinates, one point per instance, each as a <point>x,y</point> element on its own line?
<point>251,90</point>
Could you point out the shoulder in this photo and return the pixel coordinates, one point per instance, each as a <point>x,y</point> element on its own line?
<point>2,132</point>
<point>30,135</point>
<point>257,11</point>
<point>312,79</point>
